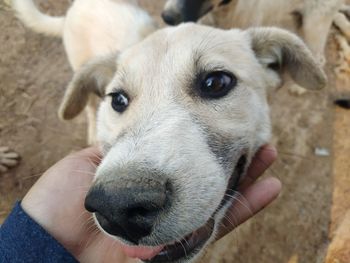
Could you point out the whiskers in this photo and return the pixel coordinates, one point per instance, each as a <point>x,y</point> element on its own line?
<point>237,196</point>
<point>85,172</point>
<point>92,230</point>
<point>94,162</point>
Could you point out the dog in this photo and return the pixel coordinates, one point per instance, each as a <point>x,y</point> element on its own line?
<point>310,19</point>
<point>182,114</point>
<point>90,28</point>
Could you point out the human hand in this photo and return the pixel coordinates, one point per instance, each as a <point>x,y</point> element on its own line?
<point>56,202</point>
<point>253,195</point>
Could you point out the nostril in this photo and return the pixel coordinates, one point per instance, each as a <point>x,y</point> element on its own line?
<point>111,226</point>
<point>169,19</point>
<point>89,207</point>
<point>90,202</point>
<point>146,208</point>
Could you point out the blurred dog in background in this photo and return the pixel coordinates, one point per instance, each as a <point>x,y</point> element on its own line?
<point>90,29</point>
<point>310,19</point>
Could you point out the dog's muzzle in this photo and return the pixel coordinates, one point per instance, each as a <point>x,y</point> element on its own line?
<point>129,208</point>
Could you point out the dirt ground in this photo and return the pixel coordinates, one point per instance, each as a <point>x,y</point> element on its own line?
<point>33,74</point>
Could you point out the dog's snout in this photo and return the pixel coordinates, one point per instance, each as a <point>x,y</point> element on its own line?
<point>128,211</point>
<point>171,18</point>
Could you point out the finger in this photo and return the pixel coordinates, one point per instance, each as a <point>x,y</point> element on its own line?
<point>252,200</point>
<point>83,162</point>
<point>91,153</point>
<point>261,161</point>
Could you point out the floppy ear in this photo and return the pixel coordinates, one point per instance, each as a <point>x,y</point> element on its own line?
<point>92,77</point>
<point>278,49</point>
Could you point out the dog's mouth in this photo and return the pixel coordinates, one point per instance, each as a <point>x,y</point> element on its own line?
<point>172,252</point>
<point>233,182</point>
<point>191,244</point>
<point>186,247</point>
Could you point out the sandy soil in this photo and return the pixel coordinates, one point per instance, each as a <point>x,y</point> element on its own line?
<point>33,74</point>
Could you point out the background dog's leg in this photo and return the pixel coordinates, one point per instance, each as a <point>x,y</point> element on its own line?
<point>342,68</point>
<point>315,30</point>
<point>8,159</point>
<point>317,21</point>
<point>345,9</point>
<point>342,22</point>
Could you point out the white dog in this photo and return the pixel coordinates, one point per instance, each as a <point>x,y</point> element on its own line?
<point>90,28</point>
<point>182,115</point>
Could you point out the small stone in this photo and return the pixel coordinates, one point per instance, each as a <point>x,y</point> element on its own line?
<point>319,151</point>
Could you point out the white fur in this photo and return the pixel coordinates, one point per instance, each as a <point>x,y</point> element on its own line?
<point>37,21</point>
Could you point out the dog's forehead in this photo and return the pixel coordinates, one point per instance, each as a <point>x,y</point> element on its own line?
<point>172,56</point>
<point>180,47</point>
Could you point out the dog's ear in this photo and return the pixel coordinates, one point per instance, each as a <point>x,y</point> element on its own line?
<point>92,77</point>
<point>280,50</point>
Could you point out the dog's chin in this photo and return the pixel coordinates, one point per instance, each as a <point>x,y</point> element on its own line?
<point>190,246</point>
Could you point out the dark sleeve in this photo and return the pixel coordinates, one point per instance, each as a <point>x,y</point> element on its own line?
<point>23,240</point>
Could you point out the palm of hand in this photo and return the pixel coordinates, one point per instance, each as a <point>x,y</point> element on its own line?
<point>56,202</point>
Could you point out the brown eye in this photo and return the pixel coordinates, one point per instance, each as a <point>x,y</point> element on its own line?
<point>217,84</point>
<point>120,101</point>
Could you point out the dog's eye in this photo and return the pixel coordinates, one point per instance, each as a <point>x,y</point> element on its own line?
<point>217,84</point>
<point>120,101</point>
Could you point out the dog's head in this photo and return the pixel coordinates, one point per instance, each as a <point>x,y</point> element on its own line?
<point>183,112</point>
<point>178,11</point>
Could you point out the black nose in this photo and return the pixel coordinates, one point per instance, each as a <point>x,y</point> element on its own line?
<point>170,18</point>
<point>128,211</point>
